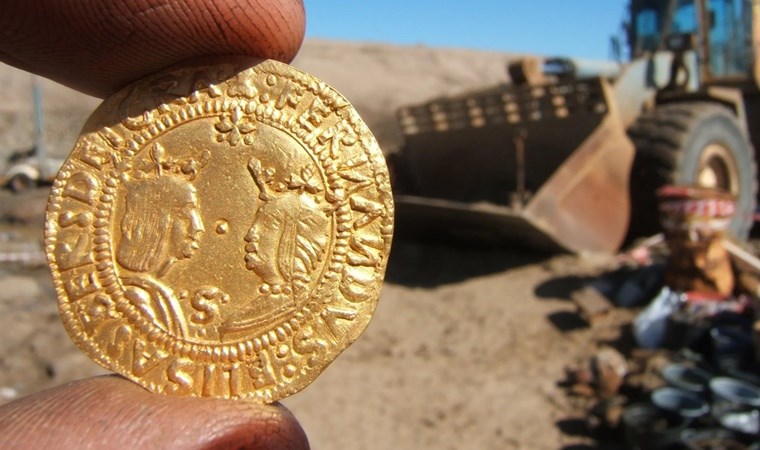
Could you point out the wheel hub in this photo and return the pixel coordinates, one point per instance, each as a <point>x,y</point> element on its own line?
<point>717,169</point>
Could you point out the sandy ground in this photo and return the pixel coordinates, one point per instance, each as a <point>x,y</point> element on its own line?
<point>465,351</point>
<point>467,344</point>
<point>462,353</point>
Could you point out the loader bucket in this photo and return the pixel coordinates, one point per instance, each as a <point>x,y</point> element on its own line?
<point>546,166</point>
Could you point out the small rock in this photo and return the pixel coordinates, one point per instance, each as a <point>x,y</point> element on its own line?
<point>8,393</point>
<point>610,367</point>
<point>582,390</point>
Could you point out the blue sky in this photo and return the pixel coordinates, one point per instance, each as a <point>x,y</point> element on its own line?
<point>549,27</point>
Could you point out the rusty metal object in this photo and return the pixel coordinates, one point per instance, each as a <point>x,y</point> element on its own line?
<point>526,71</point>
<point>695,220</point>
<point>486,164</point>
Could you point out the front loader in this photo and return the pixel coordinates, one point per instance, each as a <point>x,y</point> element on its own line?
<point>560,158</point>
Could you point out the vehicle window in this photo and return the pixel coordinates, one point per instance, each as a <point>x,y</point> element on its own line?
<point>729,37</point>
<point>647,30</point>
<point>685,18</point>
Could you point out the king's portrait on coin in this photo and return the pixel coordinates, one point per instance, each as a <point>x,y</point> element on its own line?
<point>161,225</point>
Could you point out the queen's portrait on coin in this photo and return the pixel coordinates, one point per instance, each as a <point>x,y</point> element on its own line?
<point>287,240</point>
<point>161,226</point>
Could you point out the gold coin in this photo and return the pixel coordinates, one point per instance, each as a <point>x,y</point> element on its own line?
<point>220,230</point>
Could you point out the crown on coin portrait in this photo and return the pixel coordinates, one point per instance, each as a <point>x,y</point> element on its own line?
<point>304,180</point>
<point>159,164</point>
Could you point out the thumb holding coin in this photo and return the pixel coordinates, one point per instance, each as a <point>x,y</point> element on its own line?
<point>98,47</point>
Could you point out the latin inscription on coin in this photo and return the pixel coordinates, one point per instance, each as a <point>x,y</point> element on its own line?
<point>221,230</point>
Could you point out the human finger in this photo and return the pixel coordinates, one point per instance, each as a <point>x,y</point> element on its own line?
<point>98,47</point>
<point>111,412</point>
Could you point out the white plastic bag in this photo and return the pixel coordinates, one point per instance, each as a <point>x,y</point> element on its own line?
<point>650,326</point>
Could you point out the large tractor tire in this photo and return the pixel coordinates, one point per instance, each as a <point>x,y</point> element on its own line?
<point>691,143</point>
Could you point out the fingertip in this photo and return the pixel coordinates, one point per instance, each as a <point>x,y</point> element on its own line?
<point>112,412</point>
<point>98,47</point>
<point>274,427</point>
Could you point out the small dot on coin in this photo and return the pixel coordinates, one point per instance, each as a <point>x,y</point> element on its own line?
<point>222,227</point>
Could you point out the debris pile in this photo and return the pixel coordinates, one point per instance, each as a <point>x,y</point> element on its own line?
<point>688,376</point>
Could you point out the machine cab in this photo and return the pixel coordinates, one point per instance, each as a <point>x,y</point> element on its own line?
<point>720,31</point>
